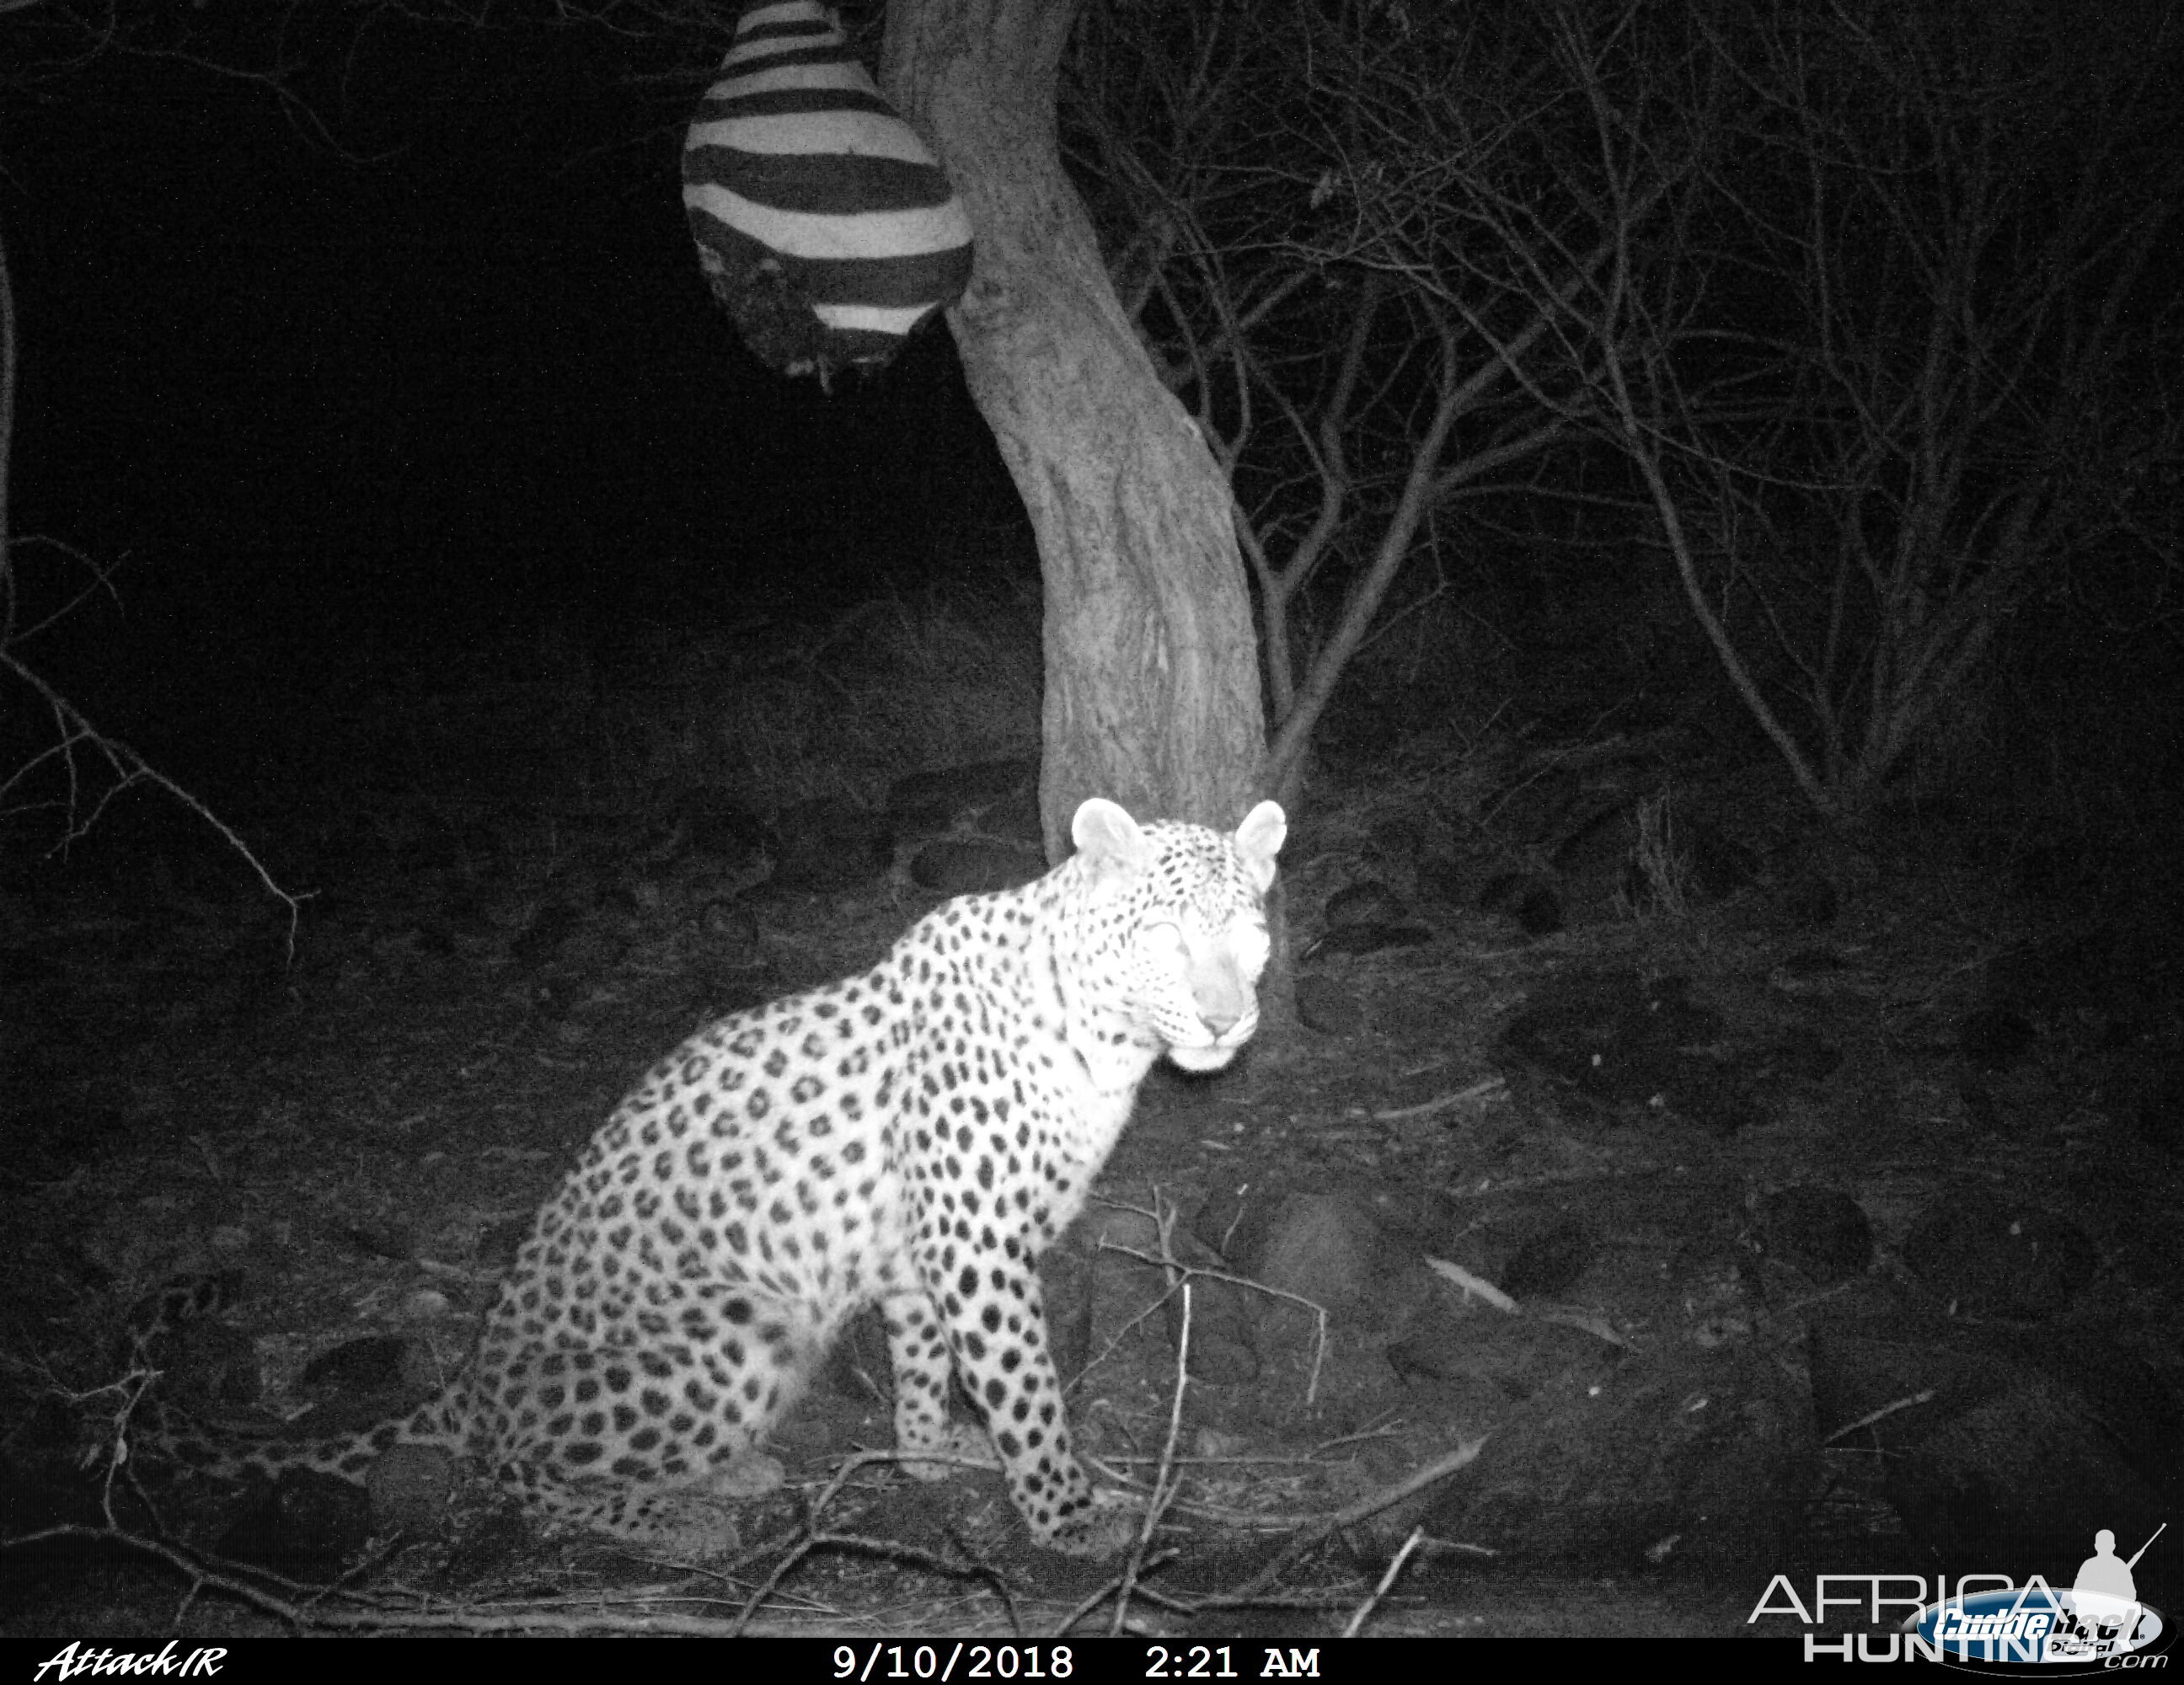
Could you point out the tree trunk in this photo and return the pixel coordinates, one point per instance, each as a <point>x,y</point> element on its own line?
<point>1152,678</point>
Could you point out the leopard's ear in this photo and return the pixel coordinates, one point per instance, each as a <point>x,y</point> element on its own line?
<point>1113,844</point>
<point>1259,838</point>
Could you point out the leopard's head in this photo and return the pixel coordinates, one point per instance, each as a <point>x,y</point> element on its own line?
<point>1186,907</point>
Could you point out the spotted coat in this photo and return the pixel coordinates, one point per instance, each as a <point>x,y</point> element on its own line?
<point>915,1138</point>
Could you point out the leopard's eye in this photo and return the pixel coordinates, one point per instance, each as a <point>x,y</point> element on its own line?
<point>1166,935</point>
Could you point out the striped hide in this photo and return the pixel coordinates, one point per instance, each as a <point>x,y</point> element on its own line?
<point>823,224</point>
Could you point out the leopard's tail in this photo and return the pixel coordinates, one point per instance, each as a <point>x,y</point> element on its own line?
<point>158,1428</point>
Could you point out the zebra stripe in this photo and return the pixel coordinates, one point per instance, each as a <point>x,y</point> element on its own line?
<point>823,224</point>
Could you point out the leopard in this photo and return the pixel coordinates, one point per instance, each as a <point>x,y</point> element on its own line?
<point>915,1138</point>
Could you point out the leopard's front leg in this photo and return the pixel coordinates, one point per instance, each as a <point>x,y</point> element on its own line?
<point>996,1328</point>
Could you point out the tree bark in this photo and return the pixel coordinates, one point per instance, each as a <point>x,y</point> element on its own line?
<point>1152,678</point>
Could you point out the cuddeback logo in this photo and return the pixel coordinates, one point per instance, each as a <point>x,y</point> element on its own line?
<point>78,1660</point>
<point>1990,1623</point>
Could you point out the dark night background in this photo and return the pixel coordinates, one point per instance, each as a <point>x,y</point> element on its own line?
<point>594,683</point>
<point>337,418</point>
<point>410,361</point>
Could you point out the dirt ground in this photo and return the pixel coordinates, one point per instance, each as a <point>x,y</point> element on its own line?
<point>1823,1220</point>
